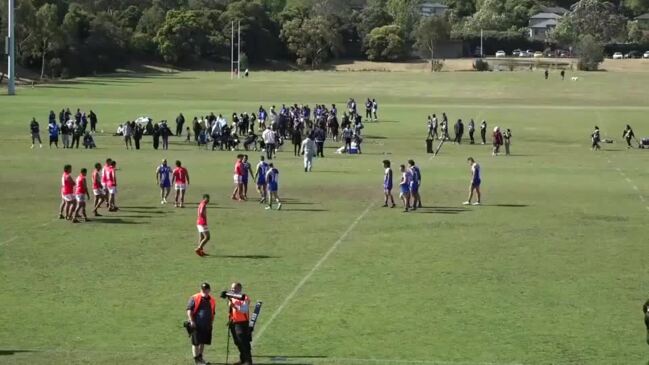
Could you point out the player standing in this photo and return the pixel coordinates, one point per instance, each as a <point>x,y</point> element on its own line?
<point>404,185</point>
<point>247,171</point>
<point>104,179</point>
<point>201,224</point>
<point>415,183</point>
<point>387,184</point>
<point>475,182</point>
<point>163,179</point>
<point>67,191</point>
<point>180,180</point>
<point>237,194</point>
<point>272,179</point>
<point>97,189</point>
<point>111,185</point>
<point>81,194</point>
<point>262,168</point>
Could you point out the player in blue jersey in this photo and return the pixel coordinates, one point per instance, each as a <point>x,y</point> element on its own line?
<point>260,173</point>
<point>247,171</point>
<point>163,179</point>
<point>387,184</point>
<point>415,184</point>
<point>272,180</point>
<point>404,185</point>
<point>475,182</point>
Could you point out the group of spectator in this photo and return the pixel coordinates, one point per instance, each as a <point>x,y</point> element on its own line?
<point>133,131</point>
<point>439,129</point>
<point>71,128</point>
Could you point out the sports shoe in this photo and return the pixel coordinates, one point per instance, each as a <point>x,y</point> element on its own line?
<point>61,216</point>
<point>466,203</point>
<point>476,203</point>
<point>32,147</point>
<point>162,202</point>
<point>199,252</point>
<point>384,205</point>
<point>269,208</point>
<point>279,206</point>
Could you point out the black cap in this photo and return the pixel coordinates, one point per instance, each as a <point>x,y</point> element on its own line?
<point>205,286</point>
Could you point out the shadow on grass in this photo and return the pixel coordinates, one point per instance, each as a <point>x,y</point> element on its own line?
<point>440,210</point>
<point>116,221</point>
<point>304,210</point>
<point>13,352</point>
<point>245,257</point>
<point>375,137</point>
<point>508,205</point>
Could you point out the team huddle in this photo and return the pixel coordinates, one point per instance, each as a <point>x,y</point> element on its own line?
<point>75,192</point>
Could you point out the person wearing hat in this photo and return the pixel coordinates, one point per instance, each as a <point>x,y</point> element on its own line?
<point>201,309</point>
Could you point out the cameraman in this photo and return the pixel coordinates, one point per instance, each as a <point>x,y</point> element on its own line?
<point>239,321</point>
<point>200,313</point>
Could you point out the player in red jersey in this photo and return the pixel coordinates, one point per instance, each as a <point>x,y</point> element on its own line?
<point>97,189</point>
<point>201,224</point>
<point>67,193</point>
<point>180,180</point>
<point>81,194</point>
<point>111,186</point>
<point>237,194</point>
<point>104,180</point>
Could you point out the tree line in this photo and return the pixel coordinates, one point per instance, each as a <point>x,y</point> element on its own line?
<point>80,37</point>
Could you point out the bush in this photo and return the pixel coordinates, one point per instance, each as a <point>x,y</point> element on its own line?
<point>436,65</point>
<point>480,65</point>
<point>591,53</point>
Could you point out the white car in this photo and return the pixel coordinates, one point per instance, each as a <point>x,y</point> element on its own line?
<point>645,55</point>
<point>538,54</point>
<point>618,56</point>
<point>523,54</point>
<point>501,54</point>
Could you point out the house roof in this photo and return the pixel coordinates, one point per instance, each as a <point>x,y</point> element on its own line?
<point>643,17</point>
<point>555,9</point>
<point>545,24</point>
<point>545,16</point>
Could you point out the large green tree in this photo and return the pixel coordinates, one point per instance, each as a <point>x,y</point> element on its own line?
<point>312,40</point>
<point>385,44</point>
<point>406,14</point>
<point>181,37</point>
<point>597,18</point>
<point>374,15</point>
<point>45,36</point>
<point>429,33</point>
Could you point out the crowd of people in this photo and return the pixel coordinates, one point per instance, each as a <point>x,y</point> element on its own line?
<point>439,129</point>
<point>73,129</point>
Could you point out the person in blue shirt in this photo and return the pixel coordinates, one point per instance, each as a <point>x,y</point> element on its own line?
<point>260,173</point>
<point>272,179</point>
<point>387,184</point>
<point>163,179</point>
<point>475,182</point>
<point>404,185</point>
<point>53,130</point>
<point>415,184</point>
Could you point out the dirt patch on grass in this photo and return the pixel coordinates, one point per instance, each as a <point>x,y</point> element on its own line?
<point>464,64</point>
<point>633,65</point>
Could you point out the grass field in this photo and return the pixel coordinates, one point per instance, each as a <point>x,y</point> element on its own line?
<point>551,270</point>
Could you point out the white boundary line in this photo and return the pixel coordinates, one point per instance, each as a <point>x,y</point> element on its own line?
<point>628,180</point>
<point>310,273</point>
<point>8,241</point>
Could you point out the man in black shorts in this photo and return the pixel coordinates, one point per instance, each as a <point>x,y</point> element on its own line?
<point>200,313</point>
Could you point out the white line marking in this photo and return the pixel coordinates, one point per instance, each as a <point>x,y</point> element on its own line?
<point>9,241</point>
<point>635,188</point>
<point>310,273</point>
<point>642,198</point>
<point>628,180</point>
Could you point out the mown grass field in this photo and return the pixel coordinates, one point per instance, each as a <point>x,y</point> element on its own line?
<point>551,270</point>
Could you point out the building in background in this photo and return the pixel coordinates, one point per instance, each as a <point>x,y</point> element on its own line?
<point>432,9</point>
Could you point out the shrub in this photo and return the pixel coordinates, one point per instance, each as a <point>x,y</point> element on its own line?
<point>591,53</point>
<point>480,65</point>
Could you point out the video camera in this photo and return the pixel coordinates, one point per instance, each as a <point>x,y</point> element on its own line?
<point>188,327</point>
<point>232,295</point>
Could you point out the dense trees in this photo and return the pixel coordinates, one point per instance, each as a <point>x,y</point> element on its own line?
<point>74,37</point>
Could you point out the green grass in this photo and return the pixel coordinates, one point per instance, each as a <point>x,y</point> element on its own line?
<point>552,270</point>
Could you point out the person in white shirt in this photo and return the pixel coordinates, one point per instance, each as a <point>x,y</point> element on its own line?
<point>270,140</point>
<point>308,149</point>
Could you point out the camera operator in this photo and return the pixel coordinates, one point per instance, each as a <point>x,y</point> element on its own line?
<point>200,313</point>
<point>239,304</point>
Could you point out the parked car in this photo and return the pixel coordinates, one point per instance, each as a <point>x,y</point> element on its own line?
<point>523,54</point>
<point>645,55</point>
<point>618,56</point>
<point>501,54</point>
<point>516,53</point>
<point>538,54</point>
<point>633,54</point>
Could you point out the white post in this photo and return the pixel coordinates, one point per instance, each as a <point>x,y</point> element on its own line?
<point>232,53</point>
<point>481,45</point>
<point>239,51</point>
<point>11,44</point>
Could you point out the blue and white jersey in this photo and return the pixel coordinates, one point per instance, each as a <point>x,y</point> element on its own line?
<point>272,176</point>
<point>475,169</point>
<point>262,169</point>
<point>387,179</point>
<point>262,115</point>
<point>406,178</point>
<point>164,174</point>
<point>416,175</point>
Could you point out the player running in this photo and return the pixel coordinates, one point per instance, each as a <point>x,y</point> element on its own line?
<point>163,179</point>
<point>97,189</point>
<point>81,194</point>
<point>387,184</point>
<point>415,184</point>
<point>475,182</point>
<point>247,171</point>
<point>67,191</point>
<point>404,185</point>
<point>201,224</point>
<point>237,194</point>
<point>272,179</point>
<point>180,180</point>
<point>262,168</point>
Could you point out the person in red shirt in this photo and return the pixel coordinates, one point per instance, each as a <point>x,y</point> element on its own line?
<point>97,189</point>
<point>111,185</point>
<point>81,194</point>
<point>237,194</point>
<point>104,180</point>
<point>67,193</point>
<point>180,180</point>
<point>201,224</point>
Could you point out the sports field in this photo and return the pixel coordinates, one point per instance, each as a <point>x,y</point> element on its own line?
<point>552,269</point>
